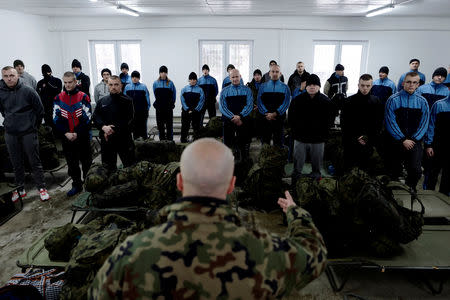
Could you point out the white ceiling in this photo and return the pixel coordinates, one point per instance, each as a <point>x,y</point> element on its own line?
<point>429,8</point>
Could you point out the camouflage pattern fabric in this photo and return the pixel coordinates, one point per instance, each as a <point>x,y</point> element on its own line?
<point>202,253</point>
<point>59,244</point>
<point>212,129</point>
<point>159,152</point>
<point>96,179</point>
<point>125,194</point>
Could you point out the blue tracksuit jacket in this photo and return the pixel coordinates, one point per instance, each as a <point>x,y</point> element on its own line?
<point>140,95</point>
<point>274,96</point>
<point>192,98</point>
<point>438,133</point>
<point>383,89</point>
<point>209,87</point>
<point>227,81</point>
<point>165,94</point>
<point>236,100</point>
<point>433,92</point>
<point>400,81</point>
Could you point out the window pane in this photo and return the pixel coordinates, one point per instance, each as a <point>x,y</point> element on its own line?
<point>351,59</point>
<point>324,62</point>
<point>212,55</point>
<point>105,58</point>
<point>131,54</point>
<point>240,58</point>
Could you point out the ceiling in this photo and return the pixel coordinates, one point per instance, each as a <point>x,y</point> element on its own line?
<point>429,8</point>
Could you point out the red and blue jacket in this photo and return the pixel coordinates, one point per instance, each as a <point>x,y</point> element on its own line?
<point>72,112</point>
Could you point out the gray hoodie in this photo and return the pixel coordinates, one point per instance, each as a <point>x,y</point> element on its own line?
<point>21,107</point>
<point>101,90</point>
<point>29,80</point>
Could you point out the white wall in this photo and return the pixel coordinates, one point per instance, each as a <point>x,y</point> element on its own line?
<point>27,37</point>
<point>173,41</point>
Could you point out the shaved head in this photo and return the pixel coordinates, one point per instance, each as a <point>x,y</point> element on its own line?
<point>206,169</point>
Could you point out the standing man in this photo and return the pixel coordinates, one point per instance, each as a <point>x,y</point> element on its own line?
<point>298,78</point>
<point>311,115</point>
<point>23,112</point>
<point>336,87</point>
<point>414,65</point>
<point>254,87</point>
<point>141,103</point>
<point>273,101</point>
<point>203,252</point>
<point>210,89</point>
<point>165,95</point>
<point>192,102</point>
<point>406,120</point>
<point>362,121</point>
<point>113,116</point>
<point>236,103</point>
<point>227,81</point>
<point>83,81</point>
<point>48,88</point>
<point>72,118</point>
<point>383,87</point>
<point>27,78</point>
<point>101,89</point>
<point>124,77</point>
<point>266,76</point>
<point>437,145</point>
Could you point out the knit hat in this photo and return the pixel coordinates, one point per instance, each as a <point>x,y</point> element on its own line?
<point>313,79</point>
<point>205,67</point>
<point>76,64</point>
<point>192,76</point>
<point>384,70</point>
<point>163,69</point>
<point>440,71</point>
<point>257,71</point>
<point>413,60</point>
<point>105,70</point>
<point>18,62</point>
<point>339,67</point>
<point>135,74</point>
<point>124,66</point>
<point>45,69</point>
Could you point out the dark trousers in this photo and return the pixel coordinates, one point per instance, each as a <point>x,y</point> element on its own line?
<point>121,145</point>
<point>140,125</point>
<point>76,152</point>
<point>357,155</point>
<point>186,119</point>
<point>164,121</point>
<point>210,106</point>
<point>272,130</point>
<point>439,161</point>
<point>27,145</point>
<point>397,156</point>
<point>234,135</point>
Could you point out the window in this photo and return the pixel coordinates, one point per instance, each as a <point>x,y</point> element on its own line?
<point>111,54</point>
<point>351,54</point>
<point>218,54</point>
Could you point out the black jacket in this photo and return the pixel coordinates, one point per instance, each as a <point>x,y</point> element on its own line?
<point>117,110</point>
<point>21,107</point>
<point>295,80</point>
<point>311,118</point>
<point>362,116</point>
<point>48,88</point>
<point>83,83</point>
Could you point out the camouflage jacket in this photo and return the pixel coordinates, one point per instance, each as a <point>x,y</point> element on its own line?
<point>202,252</point>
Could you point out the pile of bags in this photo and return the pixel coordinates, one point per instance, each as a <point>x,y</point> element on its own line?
<point>158,152</point>
<point>213,129</point>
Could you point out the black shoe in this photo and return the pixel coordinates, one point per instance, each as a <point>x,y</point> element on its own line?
<point>75,190</point>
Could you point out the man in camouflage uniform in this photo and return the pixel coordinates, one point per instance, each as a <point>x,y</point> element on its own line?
<point>202,252</point>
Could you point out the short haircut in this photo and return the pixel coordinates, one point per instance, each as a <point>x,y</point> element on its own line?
<point>411,74</point>
<point>366,77</point>
<point>230,66</point>
<point>135,74</point>
<point>413,60</point>
<point>272,61</point>
<point>7,68</point>
<point>114,77</point>
<point>70,74</point>
<point>18,62</point>
<point>105,70</point>
<point>300,62</point>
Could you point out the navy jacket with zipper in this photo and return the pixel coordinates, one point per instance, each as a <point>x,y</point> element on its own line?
<point>273,96</point>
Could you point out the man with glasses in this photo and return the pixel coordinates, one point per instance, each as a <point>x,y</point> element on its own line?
<point>406,119</point>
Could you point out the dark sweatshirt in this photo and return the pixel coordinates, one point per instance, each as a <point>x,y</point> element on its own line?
<point>115,109</point>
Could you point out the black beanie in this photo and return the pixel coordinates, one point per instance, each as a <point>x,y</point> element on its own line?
<point>205,67</point>
<point>18,62</point>
<point>339,67</point>
<point>257,71</point>
<point>440,71</point>
<point>384,69</point>
<point>313,79</point>
<point>163,69</point>
<point>76,63</point>
<point>135,74</point>
<point>45,69</point>
<point>124,66</point>
<point>413,60</point>
<point>193,76</point>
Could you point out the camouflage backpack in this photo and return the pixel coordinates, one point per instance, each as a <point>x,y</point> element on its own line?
<point>96,179</point>
<point>60,242</point>
<point>158,152</point>
<point>213,129</point>
<point>126,194</point>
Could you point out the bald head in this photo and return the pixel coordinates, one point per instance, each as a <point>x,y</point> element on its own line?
<point>206,169</point>
<point>235,77</point>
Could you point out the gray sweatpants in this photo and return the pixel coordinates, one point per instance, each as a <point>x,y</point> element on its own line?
<point>316,153</point>
<point>28,145</point>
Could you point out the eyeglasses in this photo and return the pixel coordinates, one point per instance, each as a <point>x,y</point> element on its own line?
<point>412,82</point>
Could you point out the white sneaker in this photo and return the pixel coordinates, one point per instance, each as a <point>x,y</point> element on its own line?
<point>44,195</point>
<point>15,195</point>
